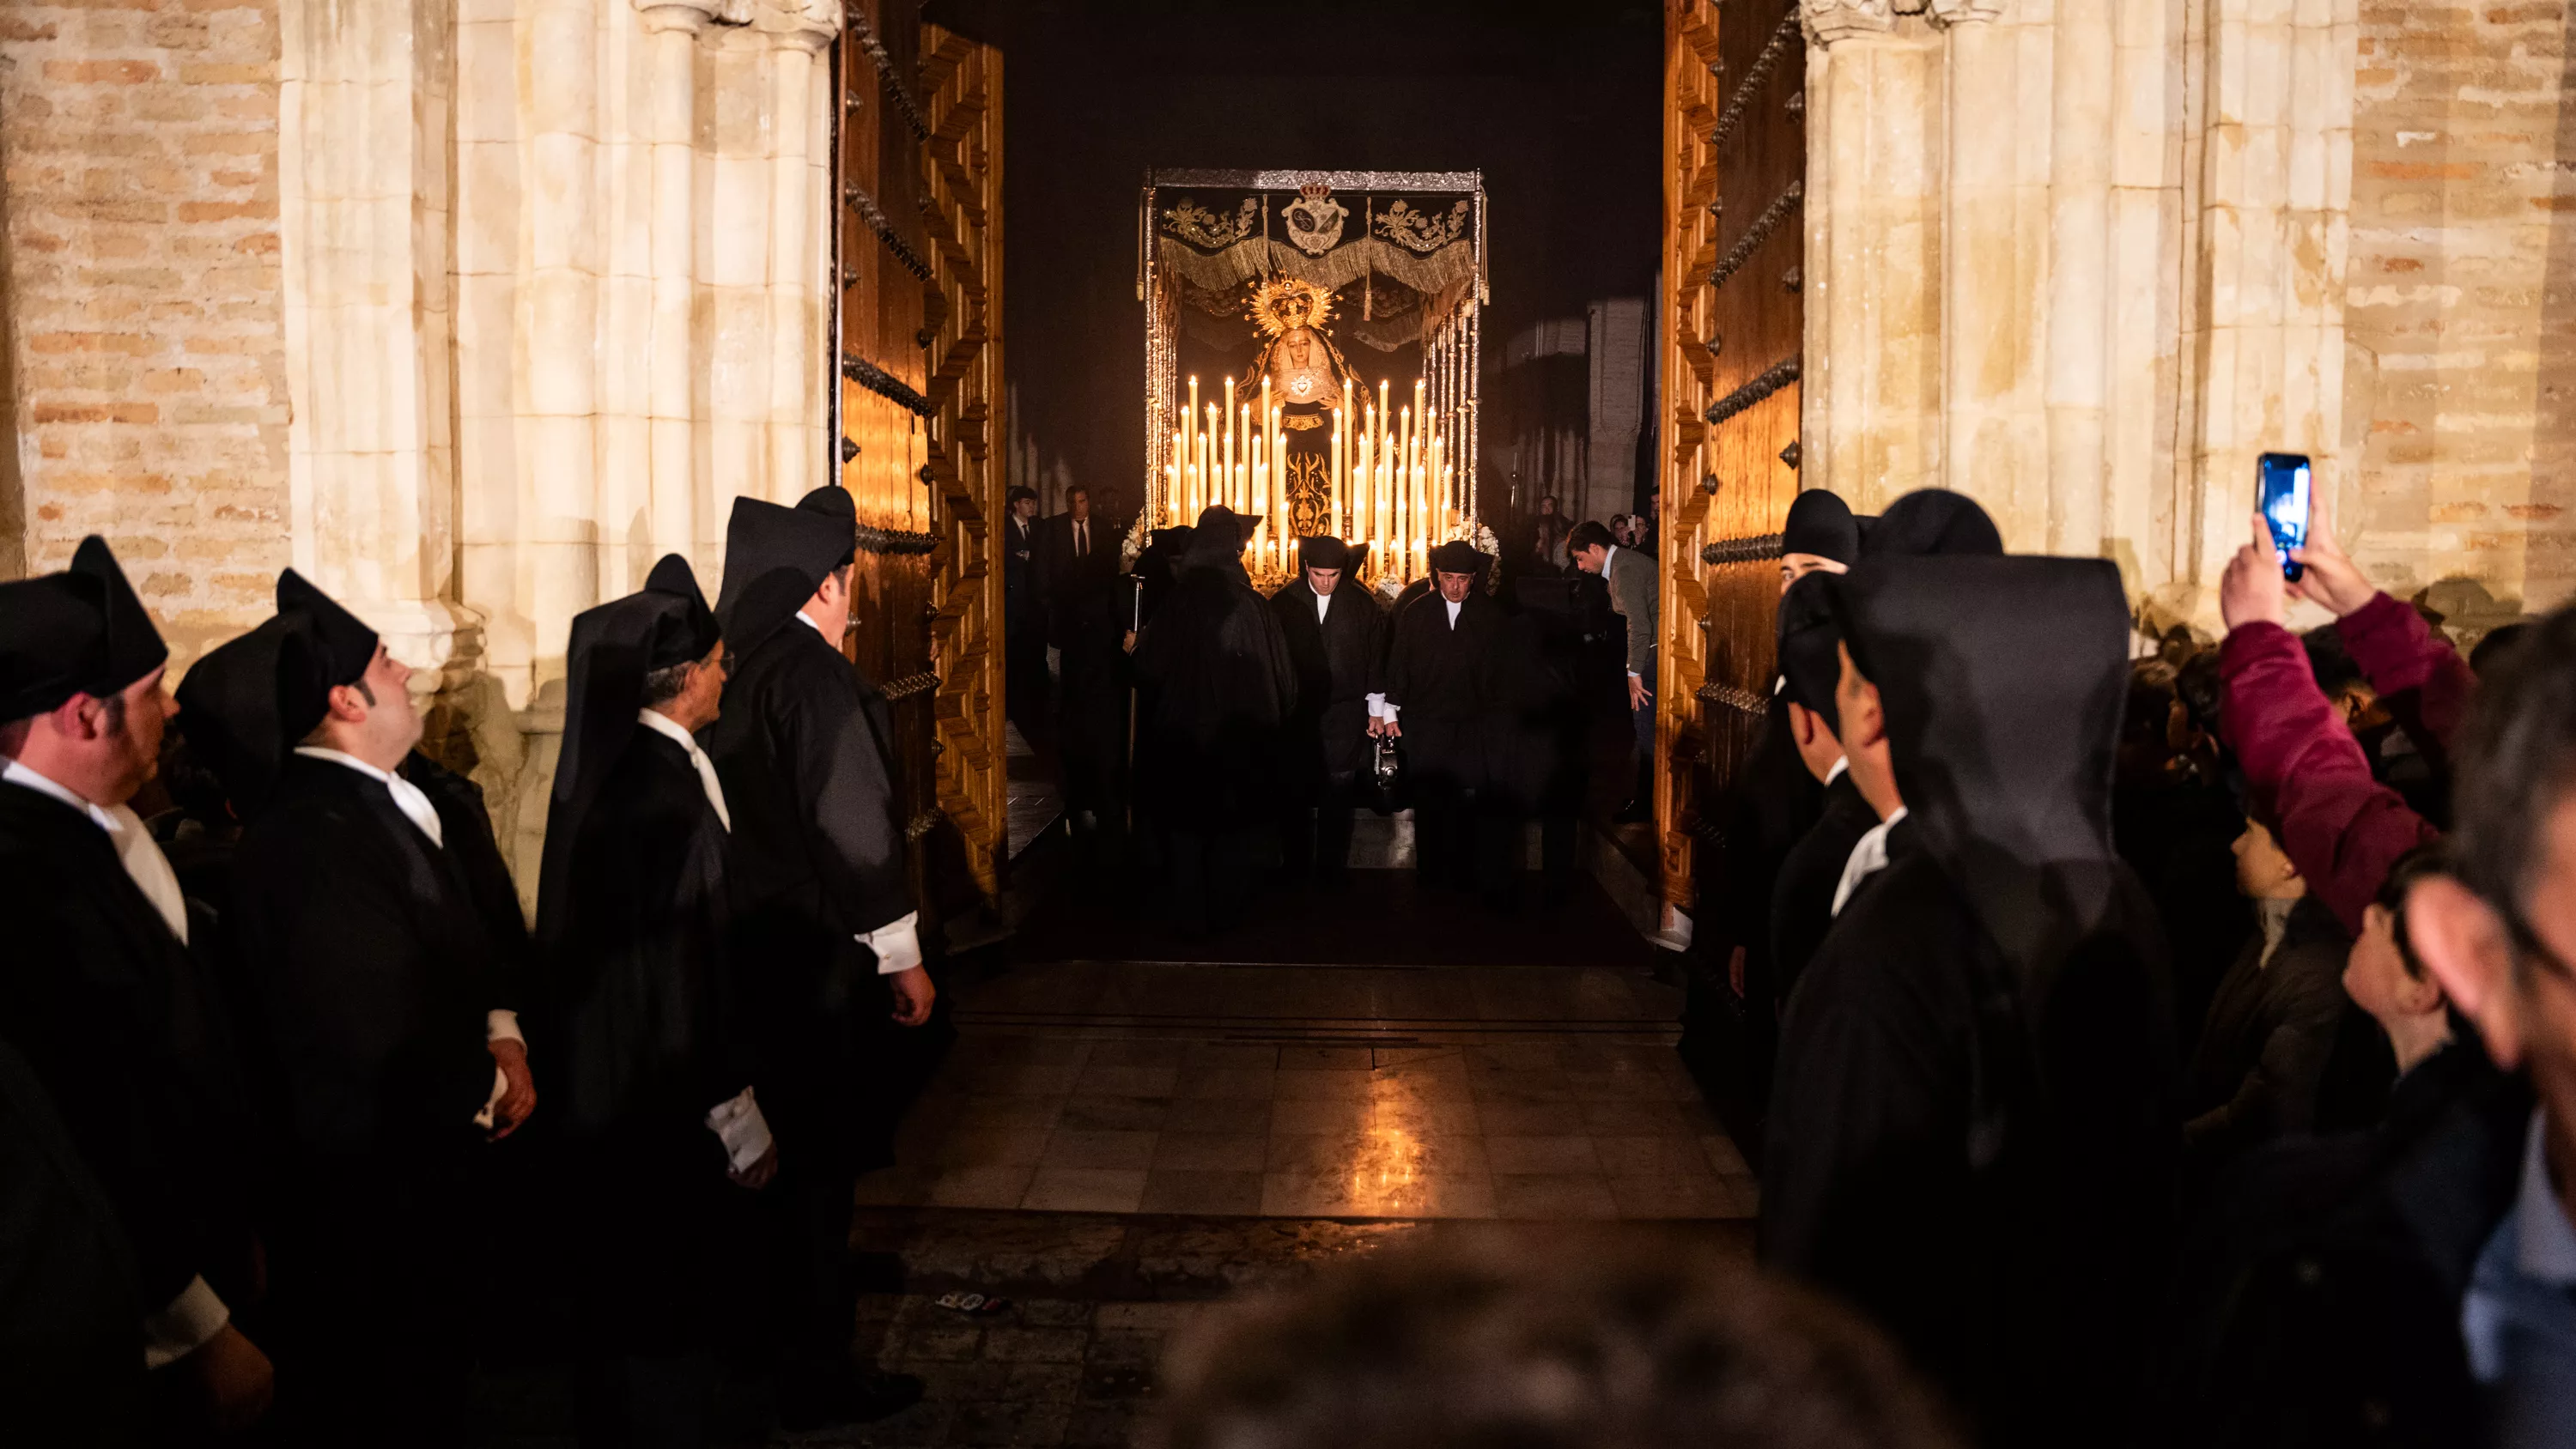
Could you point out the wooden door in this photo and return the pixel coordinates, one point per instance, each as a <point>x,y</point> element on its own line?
<point>1733,321</point>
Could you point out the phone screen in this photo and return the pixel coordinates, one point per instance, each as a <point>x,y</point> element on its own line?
<point>2281,491</point>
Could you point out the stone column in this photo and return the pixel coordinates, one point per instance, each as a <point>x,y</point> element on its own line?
<point>363,121</point>
<point>1871,391</point>
<point>798,36</point>
<point>733,258</point>
<point>670,125</point>
<point>2079,275</point>
<point>560,341</point>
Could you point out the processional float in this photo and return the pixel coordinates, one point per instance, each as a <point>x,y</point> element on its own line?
<point>1271,264</point>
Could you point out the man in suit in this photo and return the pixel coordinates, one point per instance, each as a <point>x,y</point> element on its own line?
<point>1024,639</point>
<point>1630,573</point>
<point>1336,636</point>
<point>116,1022</point>
<point>1077,578</point>
<point>822,883</point>
<point>388,1036</point>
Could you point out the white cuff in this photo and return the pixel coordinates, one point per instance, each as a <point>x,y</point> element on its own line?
<point>492,1104</point>
<point>1377,706</point>
<point>737,1123</point>
<point>1632,674</point>
<point>1387,711</point>
<point>502,1024</point>
<point>179,1330</point>
<point>897,944</point>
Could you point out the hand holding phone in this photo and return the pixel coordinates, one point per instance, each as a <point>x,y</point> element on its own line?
<point>2281,495</point>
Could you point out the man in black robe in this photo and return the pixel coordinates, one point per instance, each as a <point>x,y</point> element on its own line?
<point>1972,1124</point>
<point>71,1345</point>
<point>99,992</point>
<point>1076,571</point>
<point>1440,701</point>
<point>1802,902</point>
<point>654,1092</point>
<point>1208,756</point>
<point>827,925</point>
<point>385,1025</point>
<point>1336,637</point>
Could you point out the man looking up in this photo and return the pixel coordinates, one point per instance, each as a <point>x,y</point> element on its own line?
<point>98,989</point>
<point>387,1031</point>
<point>1630,573</point>
<point>803,751</point>
<point>1819,536</point>
<point>1336,635</point>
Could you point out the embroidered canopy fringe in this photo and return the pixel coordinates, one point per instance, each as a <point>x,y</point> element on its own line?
<point>1252,259</point>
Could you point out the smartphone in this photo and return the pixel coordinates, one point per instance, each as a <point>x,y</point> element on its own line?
<point>2281,491</point>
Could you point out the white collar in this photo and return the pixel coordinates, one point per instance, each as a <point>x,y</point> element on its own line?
<point>136,850</point>
<point>1868,858</point>
<point>408,798</point>
<point>18,774</point>
<point>1842,766</point>
<point>670,729</point>
<point>1453,611</point>
<point>810,624</point>
<point>1323,603</point>
<point>1607,554</point>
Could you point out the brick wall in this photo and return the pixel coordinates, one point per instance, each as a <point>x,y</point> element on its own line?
<point>2462,293</point>
<point>145,367</point>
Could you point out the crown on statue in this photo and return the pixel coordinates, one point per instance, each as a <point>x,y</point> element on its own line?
<point>1272,297</point>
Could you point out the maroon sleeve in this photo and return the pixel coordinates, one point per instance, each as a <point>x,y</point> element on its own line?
<point>2400,652</point>
<point>2307,775</point>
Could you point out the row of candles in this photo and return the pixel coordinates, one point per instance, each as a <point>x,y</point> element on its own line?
<point>1393,486</point>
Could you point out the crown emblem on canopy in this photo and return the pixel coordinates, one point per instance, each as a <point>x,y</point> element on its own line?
<point>1315,219</point>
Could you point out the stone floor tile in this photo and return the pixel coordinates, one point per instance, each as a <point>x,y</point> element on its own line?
<point>1531,1119</point>
<point>1085,1190</point>
<point>1231,1055</point>
<point>1325,1058</point>
<point>1515,1056</point>
<point>1143,1318</point>
<point>1236,1083</point>
<point>1114,1114</point>
<point>1216,1194</point>
<point>1054,1312</point>
<point>1140,1052</point>
<point>1619,1086</point>
<point>1541,1154</point>
<point>958,1339</point>
<point>992,1147</point>
<point>1548,1085</point>
<point>1309,1194</point>
<point>1218,1114</point>
<point>1307,1117</point>
<point>1723,1156</point>
<point>1032,1080</point>
<point>1028,1113</point>
<point>981,1187</point>
<point>1100,1426</point>
<point>1643,1156</point>
<point>1553,1196</point>
<point>894,1187</point>
<point>1398,1056</point>
<point>1014,1343</point>
<point>1010,1425</point>
<point>1043,1383</point>
<point>1635,1119</point>
<point>1107,1081</point>
<point>1323,1086</point>
<point>1437,1116</point>
<point>1700,1196</point>
<point>1210,1152</point>
<point>1072,1147</point>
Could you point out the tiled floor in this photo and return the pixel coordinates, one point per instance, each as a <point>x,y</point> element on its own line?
<point>1279,1092</point>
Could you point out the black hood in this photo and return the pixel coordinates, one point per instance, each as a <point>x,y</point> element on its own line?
<point>1216,542</point>
<point>1808,647</point>
<point>2003,681</point>
<point>613,647</point>
<point>1932,521</point>
<point>776,557</point>
<point>134,647</point>
<point>1820,523</point>
<point>250,701</point>
<point>342,642</point>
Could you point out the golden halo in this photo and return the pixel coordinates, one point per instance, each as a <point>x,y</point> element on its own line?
<point>1270,297</point>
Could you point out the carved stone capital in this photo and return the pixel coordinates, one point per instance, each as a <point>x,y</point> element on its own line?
<point>1948,13</point>
<point>806,25</point>
<point>1829,21</point>
<point>685,16</point>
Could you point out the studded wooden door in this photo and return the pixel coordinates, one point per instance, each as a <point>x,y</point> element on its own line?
<point>1734,166</point>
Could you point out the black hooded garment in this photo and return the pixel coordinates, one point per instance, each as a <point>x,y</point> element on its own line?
<point>1972,1128</point>
<point>804,749</point>
<point>116,1017</point>
<point>1442,679</point>
<point>650,1032</point>
<point>1932,522</point>
<point>1222,690</point>
<point>71,1324</point>
<point>1802,892</point>
<point>1338,665</point>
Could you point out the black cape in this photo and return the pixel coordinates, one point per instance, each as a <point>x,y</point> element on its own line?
<point>1339,664</point>
<point>1442,680</point>
<point>1222,687</point>
<point>804,752</point>
<point>1972,1121</point>
<point>127,1035</point>
<point>650,1033</point>
<point>1802,900</point>
<point>71,1336</point>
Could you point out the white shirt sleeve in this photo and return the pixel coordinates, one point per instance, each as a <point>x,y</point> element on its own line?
<point>183,1327</point>
<point>897,944</point>
<point>1378,707</point>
